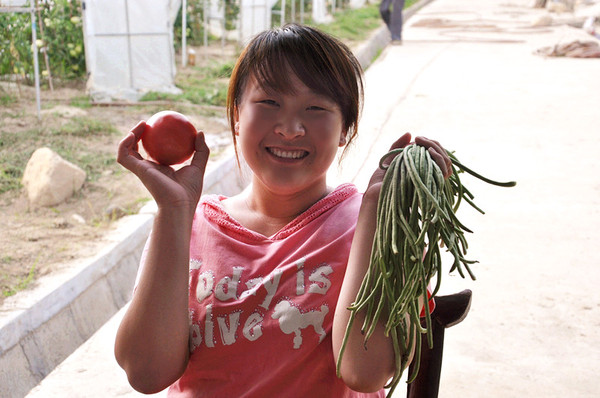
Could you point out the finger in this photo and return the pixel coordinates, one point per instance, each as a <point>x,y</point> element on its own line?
<point>399,143</point>
<point>440,161</point>
<point>202,153</point>
<point>138,130</point>
<point>426,142</point>
<point>435,145</point>
<point>127,151</point>
<point>402,141</point>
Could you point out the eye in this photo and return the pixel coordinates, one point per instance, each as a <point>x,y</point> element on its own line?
<point>269,102</point>
<point>315,108</point>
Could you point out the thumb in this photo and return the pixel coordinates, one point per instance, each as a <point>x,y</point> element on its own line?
<point>399,143</point>
<point>402,141</point>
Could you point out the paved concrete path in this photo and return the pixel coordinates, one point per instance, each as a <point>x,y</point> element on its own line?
<point>468,76</point>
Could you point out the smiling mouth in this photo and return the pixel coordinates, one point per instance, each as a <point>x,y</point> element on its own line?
<point>287,154</point>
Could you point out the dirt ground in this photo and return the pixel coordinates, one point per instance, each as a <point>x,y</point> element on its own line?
<point>38,241</point>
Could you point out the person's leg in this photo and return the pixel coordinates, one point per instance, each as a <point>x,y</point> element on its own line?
<point>384,10</point>
<point>395,24</point>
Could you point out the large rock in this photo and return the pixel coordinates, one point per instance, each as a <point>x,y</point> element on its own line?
<point>49,179</point>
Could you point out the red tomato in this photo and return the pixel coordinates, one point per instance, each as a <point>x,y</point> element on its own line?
<point>169,138</point>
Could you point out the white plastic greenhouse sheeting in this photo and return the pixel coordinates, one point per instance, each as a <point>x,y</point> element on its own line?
<point>255,16</point>
<point>129,47</point>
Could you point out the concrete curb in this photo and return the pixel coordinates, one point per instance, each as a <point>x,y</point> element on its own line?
<point>43,327</point>
<point>39,329</point>
<point>33,341</point>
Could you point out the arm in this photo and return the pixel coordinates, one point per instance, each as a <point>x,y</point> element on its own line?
<point>369,369</point>
<point>152,340</point>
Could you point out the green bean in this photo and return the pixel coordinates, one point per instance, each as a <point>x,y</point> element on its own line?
<point>485,179</point>
<point>416,213</point>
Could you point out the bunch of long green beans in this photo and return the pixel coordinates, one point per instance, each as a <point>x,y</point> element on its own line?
<point>415,213</point>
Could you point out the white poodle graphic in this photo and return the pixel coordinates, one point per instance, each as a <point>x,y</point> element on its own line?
<point>291,320</point>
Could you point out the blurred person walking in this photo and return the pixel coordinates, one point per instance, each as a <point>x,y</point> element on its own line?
<point>391,13</point>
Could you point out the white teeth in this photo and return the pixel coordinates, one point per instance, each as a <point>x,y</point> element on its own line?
<point>287,154</point>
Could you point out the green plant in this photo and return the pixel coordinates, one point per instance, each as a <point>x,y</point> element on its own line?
<point>15,40</point>
<point>63,38</point>
<point>61,41</point>
<point>195,22</point>
<point>232,10</point>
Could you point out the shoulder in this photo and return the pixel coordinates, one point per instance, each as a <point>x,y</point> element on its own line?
<point>210,209</point>
<point>338,210</point>
<point>346,198</point>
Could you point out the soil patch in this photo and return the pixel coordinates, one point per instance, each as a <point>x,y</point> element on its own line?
<point>38,241</point>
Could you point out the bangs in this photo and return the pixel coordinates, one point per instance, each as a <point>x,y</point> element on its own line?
<point>274,75</point>
<point>283,52</point>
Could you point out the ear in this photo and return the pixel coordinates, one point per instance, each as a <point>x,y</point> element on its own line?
<point>236,118</point>
<point>343,135</point>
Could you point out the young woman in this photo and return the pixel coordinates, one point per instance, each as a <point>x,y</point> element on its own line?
<point>246,296</point>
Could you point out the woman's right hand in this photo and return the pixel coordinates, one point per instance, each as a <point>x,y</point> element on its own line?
<point>169,187</point>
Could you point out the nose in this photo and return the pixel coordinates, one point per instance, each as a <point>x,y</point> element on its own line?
<point>290,128</point>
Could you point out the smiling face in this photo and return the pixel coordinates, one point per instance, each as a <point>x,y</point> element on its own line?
<point>321,62</point>
<point>289,139</point>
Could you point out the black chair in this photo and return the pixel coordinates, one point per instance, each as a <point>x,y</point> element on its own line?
<point>449,310</point>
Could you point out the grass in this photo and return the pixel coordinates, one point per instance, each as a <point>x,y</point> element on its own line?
<point>201,85</point>
<point>6,99</point>
<point>356,24</point>
<point>82,102</point>
<point>353,24</point>
<point>21,284</point>
<point>68,140</point>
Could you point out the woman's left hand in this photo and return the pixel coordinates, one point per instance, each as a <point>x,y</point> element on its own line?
<point>436,151</point>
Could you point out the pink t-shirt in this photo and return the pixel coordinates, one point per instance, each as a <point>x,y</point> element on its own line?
<point>261,308</point>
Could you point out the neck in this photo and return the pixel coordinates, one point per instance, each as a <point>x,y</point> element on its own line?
<point>283,206</point>
<point>266,212</point>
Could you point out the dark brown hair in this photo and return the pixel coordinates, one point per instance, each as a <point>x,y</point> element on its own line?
<point>320,61</point>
